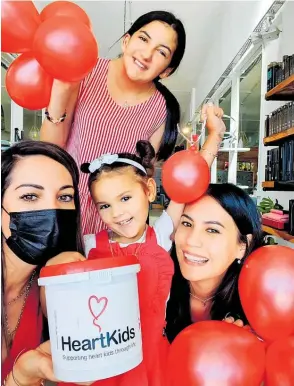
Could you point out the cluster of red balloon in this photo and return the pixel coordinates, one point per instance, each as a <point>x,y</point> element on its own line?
<point>58,43</point>
<point>216,353</point>
<point>266,288</point>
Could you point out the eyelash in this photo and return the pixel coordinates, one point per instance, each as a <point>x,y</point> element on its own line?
<point>162,53</point>
<point>213,230</point>
<point>209,230</point>
<point>30,197</point>
<point>124,199</point>
<point>187,224</point>
<point>145,41</point>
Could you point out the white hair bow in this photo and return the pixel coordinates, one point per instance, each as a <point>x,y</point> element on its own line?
<point>105,159</point>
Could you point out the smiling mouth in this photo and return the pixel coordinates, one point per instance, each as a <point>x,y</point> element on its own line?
<point>139,64</point>
<point>194,259</point>
<point>125,222</point>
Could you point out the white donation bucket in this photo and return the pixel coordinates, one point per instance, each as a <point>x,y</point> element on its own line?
<point>94,318</point>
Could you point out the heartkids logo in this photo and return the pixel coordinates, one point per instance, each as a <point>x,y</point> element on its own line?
<point>97,306</point>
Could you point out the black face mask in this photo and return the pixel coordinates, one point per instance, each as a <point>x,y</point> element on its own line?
<point>37,236</point>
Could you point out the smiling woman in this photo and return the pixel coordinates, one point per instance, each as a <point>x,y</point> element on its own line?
<point>40,219</point>
<point>121,101</point>
<point>214,238</point>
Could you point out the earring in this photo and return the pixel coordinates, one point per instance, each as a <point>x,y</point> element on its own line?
<point>239,261</point>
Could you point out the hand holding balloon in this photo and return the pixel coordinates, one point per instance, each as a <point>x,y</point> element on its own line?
<point>42,38</point>
<point>212,115</point>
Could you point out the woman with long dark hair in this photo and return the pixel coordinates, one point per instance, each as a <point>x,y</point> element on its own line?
<point>40,219</point>
<point>121,102</point>
<point>212,242</point>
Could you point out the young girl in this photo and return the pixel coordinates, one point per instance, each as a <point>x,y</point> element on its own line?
<point>122,187</point>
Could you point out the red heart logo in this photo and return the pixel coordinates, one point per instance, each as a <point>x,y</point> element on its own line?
<point>97,306</point>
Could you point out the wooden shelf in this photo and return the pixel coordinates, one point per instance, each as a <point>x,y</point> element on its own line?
<point>268,184</point>
<point>275,139</point>
<point>278,185</point>
<point>284,91</point>
<point>276,232</point>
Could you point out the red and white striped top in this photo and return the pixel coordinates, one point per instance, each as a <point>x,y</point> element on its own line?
<point>102,126</point>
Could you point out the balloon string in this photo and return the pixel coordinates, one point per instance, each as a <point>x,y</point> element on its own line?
<point>202,131</point>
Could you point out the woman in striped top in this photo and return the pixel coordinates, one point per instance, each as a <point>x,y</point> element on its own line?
<point>120,102</point>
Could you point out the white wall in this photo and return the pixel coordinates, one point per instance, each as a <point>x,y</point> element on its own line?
<point>273,52</point>
<point>235,30</point>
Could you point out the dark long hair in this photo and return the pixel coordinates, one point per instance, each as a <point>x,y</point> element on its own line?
<point>247,219</point>
<point>172,105</point>
<point>23,149</point>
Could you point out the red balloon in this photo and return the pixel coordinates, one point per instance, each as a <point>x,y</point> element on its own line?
<point>65,8</point>
<point>280,363</point>
<point>266,288</point>
<point>20,20</point>
<point>215,353</point>
<point>185,176</point>
<point>65,48</point>
<point>27,83</point>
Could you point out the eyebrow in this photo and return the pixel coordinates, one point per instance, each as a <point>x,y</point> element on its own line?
<point>215,223</point>
<point>188,217</point>
<point>162,45</point>
<point>206,222</point>
<point>42,187</point>
<point>123,193</point>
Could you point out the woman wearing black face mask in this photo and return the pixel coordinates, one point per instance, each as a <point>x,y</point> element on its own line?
<point>40,219</point>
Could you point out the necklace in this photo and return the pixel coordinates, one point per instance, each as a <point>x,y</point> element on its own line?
<point>126,104</point>
<point>203,301</point>
<point>136,251</point>
<point>25,292</point>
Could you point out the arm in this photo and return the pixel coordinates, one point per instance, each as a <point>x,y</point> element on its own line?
<point>34,366</point>
<point>64,97</point>
<point>156,137</point>
<point>216,129</point>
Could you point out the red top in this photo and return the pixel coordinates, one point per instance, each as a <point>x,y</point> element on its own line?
<point>29,333</point>
<point>102,126</point>
<point>154,282</point>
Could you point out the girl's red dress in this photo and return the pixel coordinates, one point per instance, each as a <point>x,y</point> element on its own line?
<point>154,282</point>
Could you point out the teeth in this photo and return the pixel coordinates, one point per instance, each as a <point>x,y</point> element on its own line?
<point>195,259</point>
<point>125,222</point>
<point>139,64</point>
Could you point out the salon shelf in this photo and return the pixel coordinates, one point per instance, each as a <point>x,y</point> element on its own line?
<point>278,185</point>
<point>284,91</point>
<point>278,233</point>
<point>275,139</point>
